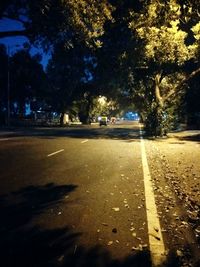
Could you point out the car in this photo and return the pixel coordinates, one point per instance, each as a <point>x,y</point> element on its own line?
<point>103,121</point>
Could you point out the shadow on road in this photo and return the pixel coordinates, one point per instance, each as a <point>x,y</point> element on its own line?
<point>195,138</point>
<point>118,133</point>
<point>24,243</point>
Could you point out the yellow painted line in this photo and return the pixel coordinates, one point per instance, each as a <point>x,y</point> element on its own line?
<point>84,141</point>
<point>156,243</point>
<point>56,152</point>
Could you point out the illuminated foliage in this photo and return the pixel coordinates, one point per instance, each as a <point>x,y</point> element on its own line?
<point>170,38</point>
<point>160,28</point>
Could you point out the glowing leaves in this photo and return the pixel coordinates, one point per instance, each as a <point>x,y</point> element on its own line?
<point>196,31</point>
<point>160,29</point>
<point>165,44</point>
<point>88,18</point>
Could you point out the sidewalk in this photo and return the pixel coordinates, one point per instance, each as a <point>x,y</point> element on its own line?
<point>179,158</point>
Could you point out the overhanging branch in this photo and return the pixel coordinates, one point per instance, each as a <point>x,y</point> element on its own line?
<point>14,18</point>
<point>14,33</point>
<point>184,81</point>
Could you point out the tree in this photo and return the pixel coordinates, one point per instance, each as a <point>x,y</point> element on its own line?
<point>50,21</point>
<point>69,73</point>
<point>119,55</point>
<point>3,83</point>
<point>166,53</point>
<point>192,100</point>
<point>27,80</point>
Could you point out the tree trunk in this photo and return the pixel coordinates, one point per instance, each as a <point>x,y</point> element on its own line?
<point>64,119</point>
<point>159,112</point>
<point>154,124</point>
<point>85,114</point>
<point>61,119</point>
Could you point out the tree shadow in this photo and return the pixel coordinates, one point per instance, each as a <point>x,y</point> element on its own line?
<point>118,133</point>
<point>24,243</point>
<point>194,138</point>
<point>19,208</point>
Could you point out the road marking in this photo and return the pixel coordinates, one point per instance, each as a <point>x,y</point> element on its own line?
<point>84,141</point>
<point>4,139</point>
<point>157,247</point>
<point>61,150</point>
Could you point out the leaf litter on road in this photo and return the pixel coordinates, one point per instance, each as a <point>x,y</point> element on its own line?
<point>104,224</point>
<point>114,230</point>
<point>110,243</point>
<point>115,209</point>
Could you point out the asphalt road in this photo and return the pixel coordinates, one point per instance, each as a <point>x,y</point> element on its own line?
<point>76,197</point>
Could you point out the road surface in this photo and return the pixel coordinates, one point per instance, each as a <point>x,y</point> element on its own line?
<point>89,196</point>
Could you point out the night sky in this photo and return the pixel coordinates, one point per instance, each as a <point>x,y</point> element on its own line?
<point>16,43</point>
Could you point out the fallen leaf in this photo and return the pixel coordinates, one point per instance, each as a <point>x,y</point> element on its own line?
<point>197,230</point>
<point>115,209</point>
<point>179,253</point>
<point>156,229</point>
<point>114,230</point>
<point>140,247</point>
<point>135,248</point>
<point>61,258</point>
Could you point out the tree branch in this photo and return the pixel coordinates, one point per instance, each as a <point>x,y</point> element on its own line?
<point>14,18</point>
<point>184,81</point>
<point>14,33</point>
<point>157,88</point>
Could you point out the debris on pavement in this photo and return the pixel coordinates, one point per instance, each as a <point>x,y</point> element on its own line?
<point>115,209</point>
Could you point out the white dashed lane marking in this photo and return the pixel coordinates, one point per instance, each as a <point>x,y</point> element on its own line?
<point>82,142</point>
<point>56,152</point>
